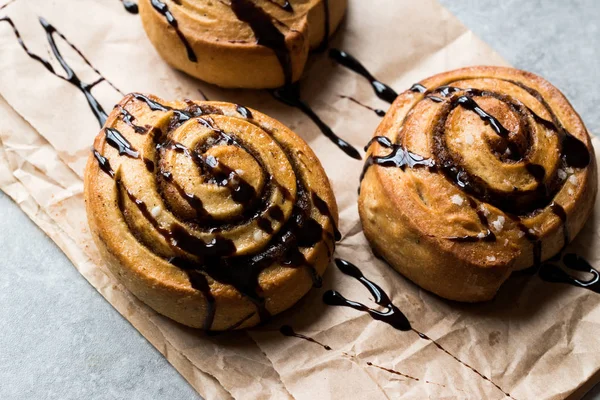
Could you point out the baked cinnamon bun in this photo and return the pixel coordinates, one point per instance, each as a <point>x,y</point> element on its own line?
<point>473,174</point>
<point>213,214</point>
<point>240,43</point>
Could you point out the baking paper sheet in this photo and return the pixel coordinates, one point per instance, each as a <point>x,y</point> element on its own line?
<point>536,340</point>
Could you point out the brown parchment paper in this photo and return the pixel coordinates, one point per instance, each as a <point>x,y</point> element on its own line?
<point>536,340</point>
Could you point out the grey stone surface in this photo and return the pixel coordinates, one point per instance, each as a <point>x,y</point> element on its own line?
<point>61,340</point>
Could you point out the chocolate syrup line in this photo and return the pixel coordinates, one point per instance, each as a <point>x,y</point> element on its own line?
<point>163,9</point>
<point>323,208</point>
<point>287,330</point>
<point>265,31</point>
<point>217,257</point>
<point>103,163</point>
<point>241,191</point>
<point>194,201</point>
<point>418,88</point>
<point>116,140</point>
<point>2,7</point>
<point>379,112</point>
<point>204,97</point>
<point>243,111</point>
<point>286,6</point>
<point>552,273</point>
<point>200,283</point>
<point>391,314</point>
<point>290,95</point>
<point>382,91</point>
<point>129,119</point>
<point>399,157</point>
<point>392,371</point>
<point>130,6</point>
<point>70,77</point>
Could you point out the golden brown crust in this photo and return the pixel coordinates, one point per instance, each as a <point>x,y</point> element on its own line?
<point>250,179</point>
<point>462,243</point>
<point>227,49</point>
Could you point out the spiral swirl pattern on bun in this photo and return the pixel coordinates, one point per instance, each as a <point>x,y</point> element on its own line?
<point>213,214</point>
<point>475,173</point>
<point>240,43</point>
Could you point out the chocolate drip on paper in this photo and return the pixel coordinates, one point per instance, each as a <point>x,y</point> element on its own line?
<point>383,91</point>
<point>71,76</point>
<point>379,112</point>
<point>287,330</point>
<point>552,273</point>
<point>290,95</point>
<point>390,315</point>
<point>163,9</point>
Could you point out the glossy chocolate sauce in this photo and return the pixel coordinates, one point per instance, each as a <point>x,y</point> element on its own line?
<point>550,272</point>
<point>391,314</point>
<point>379,112</point>
<point>217,258</point>
<point>130,6</point>
<point>265,31</point>
<point>130,119</point>
<point>243,111</point>
<point>71,76</point>
<point>118,141</point>
<point>383,91</point>
<point>287,330</point>
<point>290,95</point>
<point>163,9</point>
<point>574,153</point>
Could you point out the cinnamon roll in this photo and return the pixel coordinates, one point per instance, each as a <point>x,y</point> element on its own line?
<point>473,174</point>
<point>240,43</point>
<point>213,214</point>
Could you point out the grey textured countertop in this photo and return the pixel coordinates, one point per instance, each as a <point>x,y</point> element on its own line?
<point>62,340</point>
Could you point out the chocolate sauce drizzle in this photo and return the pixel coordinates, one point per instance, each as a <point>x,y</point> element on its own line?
<point>163,9</point>
<point>265,31</point>
<point>383,91</point>
<point>574,153</point>
<point>71,76</point>
<point>379,112</point>
<point>217,258</point>
<point>243,111</point>
<point>290,95</point>
<point>116,140</point>
<point>391,314</point>
<point>287,330</point>
<point>399,157</point>
<point>550,272</point>
<point>129,120</point>
<point>130,6</point>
